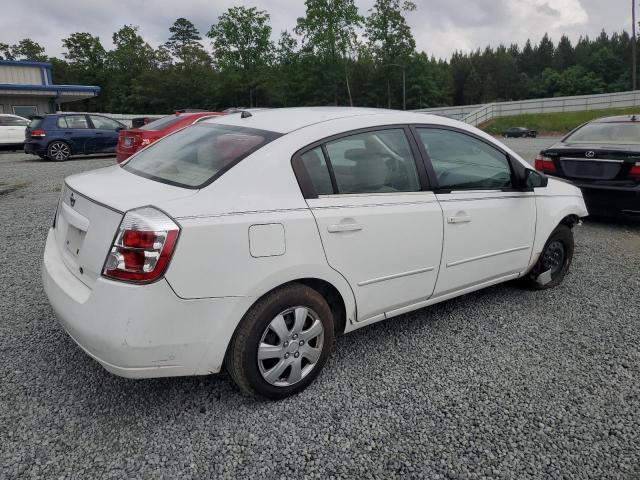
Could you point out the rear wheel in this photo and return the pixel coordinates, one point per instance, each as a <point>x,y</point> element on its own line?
<point>281,343</point>
<point>59,151</point>
<point>554,262</point>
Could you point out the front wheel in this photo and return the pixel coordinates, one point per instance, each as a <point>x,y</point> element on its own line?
<point>281,343</point>
<point>554,261</point>
<point>59,151</point>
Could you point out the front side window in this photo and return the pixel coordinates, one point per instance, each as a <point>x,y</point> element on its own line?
<point>373,162</point>
<point>104,123</point>
<point>197,155</point>
<point>462,162</point>
<point>73,121</point>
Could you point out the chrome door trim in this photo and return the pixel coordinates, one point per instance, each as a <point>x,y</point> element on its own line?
<point>395,275</point>
<point>603,160</point>
<point>487,255</point>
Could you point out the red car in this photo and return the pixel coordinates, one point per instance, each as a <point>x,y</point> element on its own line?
<point>132,140</point>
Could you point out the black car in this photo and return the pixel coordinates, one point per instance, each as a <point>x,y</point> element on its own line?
<point>601,157</point>
<point>519,132</point>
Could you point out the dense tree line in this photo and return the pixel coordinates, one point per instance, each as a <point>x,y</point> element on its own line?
<point>334,55</point>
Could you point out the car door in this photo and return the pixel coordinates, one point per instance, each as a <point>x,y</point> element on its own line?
<point>489,224</point>
<point>76,130</point>
<point>380,226</point>
<point>14,129</point>
<point>106,133</point>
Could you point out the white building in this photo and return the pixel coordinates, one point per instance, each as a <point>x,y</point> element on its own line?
<point>26,88</point>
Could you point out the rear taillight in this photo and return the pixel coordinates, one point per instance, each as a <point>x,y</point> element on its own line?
<point>143,246</point>
<point>38,133</point>
<point>635,171</point>
<point>146,141</point>
<point>544,164</point>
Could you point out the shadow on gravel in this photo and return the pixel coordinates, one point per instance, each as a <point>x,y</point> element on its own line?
<point>631,223</point>
<point>6,189</point>
<point>175,397</point>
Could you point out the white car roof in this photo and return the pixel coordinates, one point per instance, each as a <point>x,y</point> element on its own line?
<point>285,120</point>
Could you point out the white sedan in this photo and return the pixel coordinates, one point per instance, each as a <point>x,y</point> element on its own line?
<point>12,129</point>
<point>250,240</point>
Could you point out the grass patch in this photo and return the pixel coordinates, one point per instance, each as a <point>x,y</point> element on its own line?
<point>551,123</point>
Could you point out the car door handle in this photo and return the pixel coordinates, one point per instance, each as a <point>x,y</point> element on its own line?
<point>344,227</point>
<point>99,133</point>
<point>459,219</point>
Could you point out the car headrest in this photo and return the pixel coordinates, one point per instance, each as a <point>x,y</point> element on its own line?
<point>356,154</point>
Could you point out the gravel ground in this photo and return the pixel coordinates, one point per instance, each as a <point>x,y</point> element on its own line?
<point>502,383</point>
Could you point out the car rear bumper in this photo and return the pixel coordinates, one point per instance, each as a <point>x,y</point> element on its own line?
<point>139,331</point>
<point>34,148</point>
<point>611,200</point>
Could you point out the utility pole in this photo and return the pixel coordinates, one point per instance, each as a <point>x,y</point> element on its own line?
<point>633,42</point>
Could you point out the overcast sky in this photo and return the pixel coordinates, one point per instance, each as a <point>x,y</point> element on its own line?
<point>439,26</point>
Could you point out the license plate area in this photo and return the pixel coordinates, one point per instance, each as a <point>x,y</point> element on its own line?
<point>74,240</point>
<point>596,170</point>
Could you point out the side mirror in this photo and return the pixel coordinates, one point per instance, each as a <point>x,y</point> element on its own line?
<point>534,179</point>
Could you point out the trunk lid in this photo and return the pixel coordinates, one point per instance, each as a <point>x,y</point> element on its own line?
<point>593,163</point>
<point>90,209</point>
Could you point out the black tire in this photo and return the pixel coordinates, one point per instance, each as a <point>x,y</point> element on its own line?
<point>549,260</point>
<point>58,151</point>
<point>241,359</point>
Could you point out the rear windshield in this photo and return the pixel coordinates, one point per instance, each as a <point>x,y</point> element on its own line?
<point>163,122</point>
<point>196,156</point>
<point>35,123</point>
<point>622,133</point>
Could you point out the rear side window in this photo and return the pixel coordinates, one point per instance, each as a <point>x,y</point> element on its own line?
<point>318,172</point>
<point>195,156</point>
<point>462,162</point>
<point>163,122</point>
<point>73,121</point>
<point>373,162</point>
<point>104,123</point>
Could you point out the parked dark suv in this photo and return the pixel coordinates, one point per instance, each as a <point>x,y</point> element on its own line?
<point>58,136</point>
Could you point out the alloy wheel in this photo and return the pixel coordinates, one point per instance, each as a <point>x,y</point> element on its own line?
<point>59,151</point>
<point>290,346</point>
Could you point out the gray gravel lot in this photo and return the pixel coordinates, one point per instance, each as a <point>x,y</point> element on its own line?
<point>502,383</point>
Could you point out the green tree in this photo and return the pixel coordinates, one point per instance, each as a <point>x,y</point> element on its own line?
<point>5,52</point>
<point>184,43</point>
<point>328,32</point>
<point>390,38</point>
<point>84,50</point>
<point>564,55</point>
<point>27,49</point>
<point>242,46</point>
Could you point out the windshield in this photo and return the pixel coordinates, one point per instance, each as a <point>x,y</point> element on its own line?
<point>163,122</point>
<point>616,133</point>
<point>197,155</point>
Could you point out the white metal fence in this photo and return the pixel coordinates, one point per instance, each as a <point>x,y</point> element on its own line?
<point>479,114</point>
